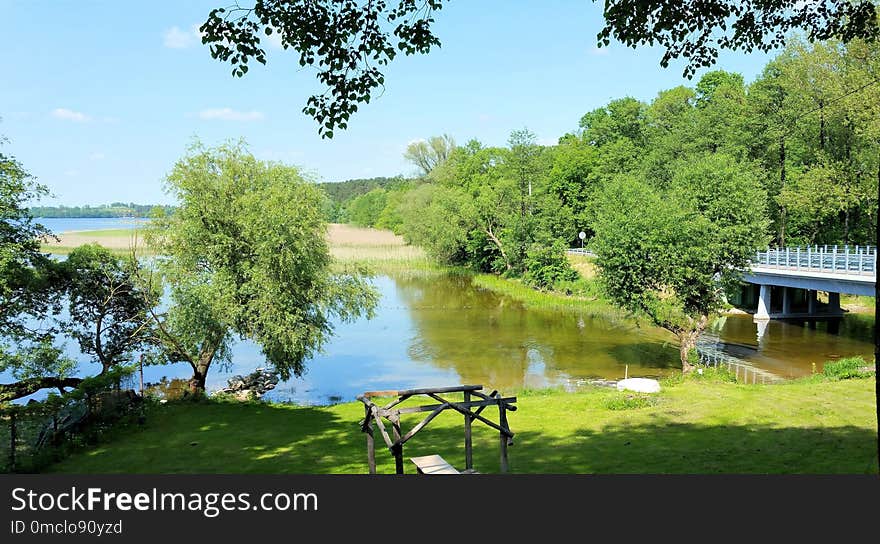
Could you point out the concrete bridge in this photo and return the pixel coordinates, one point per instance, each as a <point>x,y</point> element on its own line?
<point>788,279</point>
<point>785,281</point>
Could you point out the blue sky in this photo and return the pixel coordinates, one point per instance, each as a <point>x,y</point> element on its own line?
<point>99,98</point>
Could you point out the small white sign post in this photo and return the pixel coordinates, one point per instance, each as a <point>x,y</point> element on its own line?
<point>582,235</point>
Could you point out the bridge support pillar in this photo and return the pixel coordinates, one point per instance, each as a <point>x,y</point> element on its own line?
<point>834,303</point>
<point>787,295</point>
<point>763,311</point>
<point>811,301</point>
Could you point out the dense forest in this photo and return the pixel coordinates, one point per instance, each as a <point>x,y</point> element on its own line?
<point>806,130</point>
<point>116,209</point>
<point>340,194</point>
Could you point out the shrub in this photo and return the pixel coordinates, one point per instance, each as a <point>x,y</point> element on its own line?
<point>546,265</point>
<point>844,369</point>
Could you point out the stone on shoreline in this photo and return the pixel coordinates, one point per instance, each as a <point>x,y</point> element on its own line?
<point>252,386</point>
<point>639,385</point>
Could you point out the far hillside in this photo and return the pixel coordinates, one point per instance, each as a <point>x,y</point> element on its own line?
<point>342,193</point>
<point>116,209</point>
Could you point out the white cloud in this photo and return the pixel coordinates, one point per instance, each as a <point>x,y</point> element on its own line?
<point>599,51</point>
<point>71,173</point>
<point>484,117</point>
<point>70,115</point>
<point>229,114</point>
<point>176,38</point>
<point>97,156</point>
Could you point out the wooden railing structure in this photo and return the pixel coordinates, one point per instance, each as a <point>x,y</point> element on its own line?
<point>469,408</point>
<point>711,355</point>
<point>828,259</point>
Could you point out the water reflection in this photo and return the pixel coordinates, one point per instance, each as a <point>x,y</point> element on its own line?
<point>489,339</point>
<point>790,347</point>
<point>440,330</point>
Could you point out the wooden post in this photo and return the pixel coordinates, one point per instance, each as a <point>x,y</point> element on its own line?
<point>371,445</point>
<point>468,452</point>
<point>398,451</point>
<point>142,373</point>
<point>12,431</point>
<point>502,420</point>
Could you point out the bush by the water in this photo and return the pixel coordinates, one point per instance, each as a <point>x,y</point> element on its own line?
<point>546,265</point>
<point>844,369</point>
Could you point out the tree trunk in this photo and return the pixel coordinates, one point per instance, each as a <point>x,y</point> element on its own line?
<point>497,242</point>
<point>197,382</point>
<point>200,368</point>
<point>877,314</point>
<point>781,187</point>
<point>23,388</point>
<point>687,341</point>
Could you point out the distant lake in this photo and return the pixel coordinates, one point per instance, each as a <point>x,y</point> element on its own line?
<point>63,224</point>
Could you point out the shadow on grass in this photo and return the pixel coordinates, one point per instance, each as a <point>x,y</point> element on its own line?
<point>257,438</point>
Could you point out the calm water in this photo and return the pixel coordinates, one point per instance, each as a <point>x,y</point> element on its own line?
<point>63,224</point>
<point>441,330</point>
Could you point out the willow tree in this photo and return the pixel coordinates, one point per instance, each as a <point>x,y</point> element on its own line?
<point>245,255</point>
<point>668,254</point>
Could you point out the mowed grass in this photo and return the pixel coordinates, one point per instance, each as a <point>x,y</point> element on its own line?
<point>692,427</point>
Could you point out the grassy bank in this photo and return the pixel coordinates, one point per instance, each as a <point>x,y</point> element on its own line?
<point>584,295</point>
<point>693,426</point>
<point>118,241</point>
<point>857,304</point>
<point>376,250</point>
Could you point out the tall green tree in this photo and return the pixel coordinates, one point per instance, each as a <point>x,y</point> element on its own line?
<point>246,255</point>
<point>31,287</point>
<point>428,154</point>
<point>27,276</point>
<point>364,210</point>
<point>108,308</point>
<point>668,253</point>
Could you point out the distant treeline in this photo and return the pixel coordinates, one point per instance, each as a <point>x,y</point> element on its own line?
<point>116,209</point>
<point>341,193</point>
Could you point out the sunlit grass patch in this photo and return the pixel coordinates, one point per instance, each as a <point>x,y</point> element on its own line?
<point>694,426</point>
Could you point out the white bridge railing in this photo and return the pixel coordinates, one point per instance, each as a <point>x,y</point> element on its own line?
<point>859,260</point>
<point>581,251</point>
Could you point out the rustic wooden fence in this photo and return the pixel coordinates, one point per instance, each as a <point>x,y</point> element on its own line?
<point>470,408</point>
<point>34,434</point>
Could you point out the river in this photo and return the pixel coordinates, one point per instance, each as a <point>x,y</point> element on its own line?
<point>441,330</point>
<point>437,330</point>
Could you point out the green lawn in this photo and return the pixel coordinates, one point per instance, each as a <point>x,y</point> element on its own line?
<point>704,426</point>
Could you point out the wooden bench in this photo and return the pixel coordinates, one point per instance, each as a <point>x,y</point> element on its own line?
<point>433,464</point>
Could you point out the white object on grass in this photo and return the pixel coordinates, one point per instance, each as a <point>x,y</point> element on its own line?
<point>640,385</point>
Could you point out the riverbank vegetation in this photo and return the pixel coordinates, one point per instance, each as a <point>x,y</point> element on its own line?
<point>703,424</point>
<point>673,194</point>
